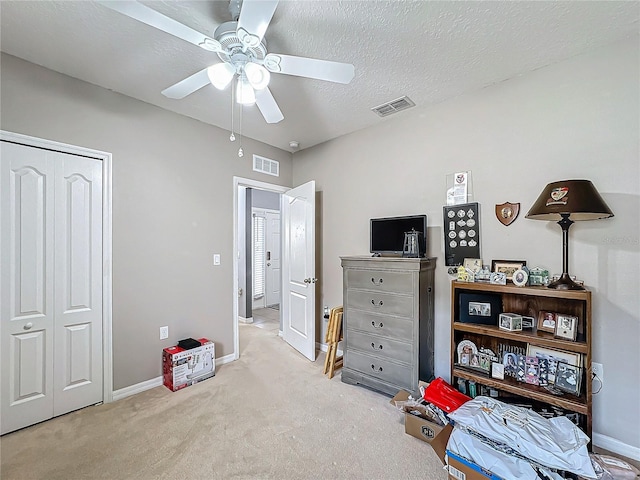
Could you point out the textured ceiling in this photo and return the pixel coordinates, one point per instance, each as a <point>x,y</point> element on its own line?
<point>428,50</point>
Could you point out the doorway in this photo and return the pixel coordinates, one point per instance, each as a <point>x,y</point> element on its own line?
<point>244,191</point>
<point>265,256</point>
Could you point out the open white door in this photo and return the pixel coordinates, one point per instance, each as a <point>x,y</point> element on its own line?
<point>298,269</point>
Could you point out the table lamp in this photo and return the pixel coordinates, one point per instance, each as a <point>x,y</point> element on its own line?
<point>568,201</point>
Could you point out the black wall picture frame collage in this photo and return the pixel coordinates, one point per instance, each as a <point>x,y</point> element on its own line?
<point>461,227</point>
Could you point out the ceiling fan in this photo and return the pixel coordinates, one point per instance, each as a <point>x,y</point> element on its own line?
<point>241,46</point>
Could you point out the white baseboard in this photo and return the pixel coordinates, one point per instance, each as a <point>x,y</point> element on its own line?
<point>616,446</point>
<point>245,320</point>
<point>325,348</point>
<point>137,388</point>
<point>156,382</point>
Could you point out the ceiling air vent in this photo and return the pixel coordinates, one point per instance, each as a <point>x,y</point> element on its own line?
<point>265,165</point>
<point>394,106</point>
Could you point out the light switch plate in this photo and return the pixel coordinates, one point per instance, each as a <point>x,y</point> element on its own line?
<point>164,333</point>
<point>216,259</point>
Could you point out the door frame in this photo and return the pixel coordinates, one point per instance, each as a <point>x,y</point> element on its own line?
<point>237,183</point>
<point>105,158</point>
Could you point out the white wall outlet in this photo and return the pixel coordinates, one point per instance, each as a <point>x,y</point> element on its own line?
<point>164,333</point>
<point>598,370</point>
<point>216,259</point>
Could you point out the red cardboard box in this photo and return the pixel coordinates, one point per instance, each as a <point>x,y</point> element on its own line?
<point>181,368</point>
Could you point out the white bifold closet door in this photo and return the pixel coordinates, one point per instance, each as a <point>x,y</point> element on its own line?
<point>50,284</point>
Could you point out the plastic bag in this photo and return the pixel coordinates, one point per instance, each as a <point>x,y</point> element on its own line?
<point>444,396</point>
<point>611,468</point>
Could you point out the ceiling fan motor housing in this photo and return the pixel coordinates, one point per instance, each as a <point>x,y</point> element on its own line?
<point>232,47</point>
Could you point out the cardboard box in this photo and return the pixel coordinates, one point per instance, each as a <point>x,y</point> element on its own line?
<point>459,468</point>
<point>415,425</point>
<point>181,368</point>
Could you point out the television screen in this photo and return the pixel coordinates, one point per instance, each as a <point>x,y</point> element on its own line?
<point>387,234</point>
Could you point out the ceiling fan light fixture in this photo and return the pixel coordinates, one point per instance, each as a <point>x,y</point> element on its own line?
<point>245,94</point>
<point>257,75</point>
<point>221,74</point>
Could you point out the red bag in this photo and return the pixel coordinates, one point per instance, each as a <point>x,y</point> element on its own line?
<point>444,396</point>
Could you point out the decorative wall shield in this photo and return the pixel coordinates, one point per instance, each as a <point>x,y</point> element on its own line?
<point>507,212</point>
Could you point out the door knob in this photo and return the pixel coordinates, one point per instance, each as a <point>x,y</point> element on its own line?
<point>307,280</point>
<point>28,326</point>
<point>268,264</point>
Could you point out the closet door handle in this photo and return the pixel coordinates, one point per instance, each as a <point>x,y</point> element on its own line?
<point>28,326</point>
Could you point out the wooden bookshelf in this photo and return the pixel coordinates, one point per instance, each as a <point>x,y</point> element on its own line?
<point>528,301</point>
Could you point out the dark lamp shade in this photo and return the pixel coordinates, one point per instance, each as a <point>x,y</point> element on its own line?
<point>578,198</point>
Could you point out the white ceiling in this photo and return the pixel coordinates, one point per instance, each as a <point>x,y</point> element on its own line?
<point>428,50</point>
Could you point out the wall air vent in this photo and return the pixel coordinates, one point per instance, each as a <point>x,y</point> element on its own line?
<point>394,106</point>
<point>265,165</point>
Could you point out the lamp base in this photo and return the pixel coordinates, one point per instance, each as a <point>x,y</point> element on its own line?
<point>565,283</point>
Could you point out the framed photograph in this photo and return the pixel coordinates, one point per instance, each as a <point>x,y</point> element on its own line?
<point>568,378</point>
<point>511,322</point>
<point>553,357</point>
<point>510,362</point>
<point>479,308</point>
<point>566,327</point>
<point>508,267</point>
<point>547,321</point>
<point>473,264</point>
<point>465,349</point>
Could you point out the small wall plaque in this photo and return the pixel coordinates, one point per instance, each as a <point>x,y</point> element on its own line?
<point>507,213</point>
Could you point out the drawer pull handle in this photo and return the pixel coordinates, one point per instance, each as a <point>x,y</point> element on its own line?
<point>373,345</point>
<point>377,326</point>
<point>379,282</point>
<point>373,367</point>
<point>379,304</point>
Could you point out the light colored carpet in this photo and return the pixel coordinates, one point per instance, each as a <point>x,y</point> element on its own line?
<point>271,414</point>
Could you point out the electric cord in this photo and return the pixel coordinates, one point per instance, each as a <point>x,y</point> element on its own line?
<point>596,377</point>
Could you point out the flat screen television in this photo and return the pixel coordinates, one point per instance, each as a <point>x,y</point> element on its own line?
<point>387,234</point>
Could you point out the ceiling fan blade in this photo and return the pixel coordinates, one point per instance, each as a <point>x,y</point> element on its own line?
<point>254,19</point>
<point>310,68</point>
<point>188,85</point>
<point>147,15</point>
<point>268,106</point>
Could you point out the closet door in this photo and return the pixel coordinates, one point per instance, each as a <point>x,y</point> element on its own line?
<point>50,284</point>
<point>78,283</point>
<point>26,281</point>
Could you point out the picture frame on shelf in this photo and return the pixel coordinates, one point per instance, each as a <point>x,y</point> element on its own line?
<point>465,349</point>
<point>473,265</point>
<point>508,267</point>
<point>566,327</point>
<point>479,308</point>
<point>553,357</point>
<point>547,321</point>
<point>568,378</point>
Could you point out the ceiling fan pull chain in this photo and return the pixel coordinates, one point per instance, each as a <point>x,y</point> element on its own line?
<point>240,151</point>
<point>232,137</point>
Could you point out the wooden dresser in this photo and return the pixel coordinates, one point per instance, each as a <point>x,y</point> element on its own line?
<point>388,322</point>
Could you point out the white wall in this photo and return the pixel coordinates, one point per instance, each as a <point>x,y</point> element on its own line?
<point>172,207</point>
<point>575,119</point>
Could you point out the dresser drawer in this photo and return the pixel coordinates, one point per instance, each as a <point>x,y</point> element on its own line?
<point>385,326</point>
<point>381,303</point>
<point>381,346</point>
<point>395,282</point>
<point>379,368</point>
